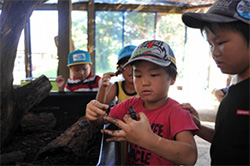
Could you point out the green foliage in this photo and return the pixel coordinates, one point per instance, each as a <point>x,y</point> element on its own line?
<point>107,40</point>
<point>79,29</point>
<point>115,30</point>
<point>139,26</point>
<point>172,30</point>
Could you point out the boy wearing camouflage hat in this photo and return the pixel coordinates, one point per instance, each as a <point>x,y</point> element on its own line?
<point>163,134</point>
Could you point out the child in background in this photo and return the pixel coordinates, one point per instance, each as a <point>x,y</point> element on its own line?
<point>83,80</point>
<point>226,28</point>
<point>220,93</point>
<point>121,89</point>
<point>163,134</point>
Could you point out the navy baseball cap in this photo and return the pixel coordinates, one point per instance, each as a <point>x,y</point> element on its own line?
<point>222,11</point>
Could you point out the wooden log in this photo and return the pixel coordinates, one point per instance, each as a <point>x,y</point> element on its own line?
<point>81,141</point>
<point>24,98</point>
<point>34,123</point>
<point>13,19</point>
<point>12,158</point>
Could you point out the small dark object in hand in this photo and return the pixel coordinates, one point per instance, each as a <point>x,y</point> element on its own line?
<point>108,110</point>
<point>132,113</point>
<point>119,71</point>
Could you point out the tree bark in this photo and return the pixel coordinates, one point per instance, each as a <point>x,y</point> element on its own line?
<point>12,157</point>
<point>14,17</point>
<point>31,123</point>
<point>22,100</point>
<point>80,140</point>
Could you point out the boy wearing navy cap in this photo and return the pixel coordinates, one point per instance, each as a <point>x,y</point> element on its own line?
<point>226,28</point>
<point>83,80</point>
<point>163,134</point>
<point>122,89</point>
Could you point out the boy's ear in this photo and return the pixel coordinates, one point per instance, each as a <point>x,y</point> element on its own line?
<point>173,80</point>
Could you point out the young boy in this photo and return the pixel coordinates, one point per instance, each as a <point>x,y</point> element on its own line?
<point>83,80</point>
<point>163,135</point>
<point>121,89</point>
<point>226,27</point>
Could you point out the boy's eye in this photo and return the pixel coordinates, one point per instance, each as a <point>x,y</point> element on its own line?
<point>210,45</point>
<point>220,43</point>
<point>137,76</point>
<point>154,75</point>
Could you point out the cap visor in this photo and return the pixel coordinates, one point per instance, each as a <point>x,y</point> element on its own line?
<point>79,63</point>
<point>160,63</point>
<point>196,20</point>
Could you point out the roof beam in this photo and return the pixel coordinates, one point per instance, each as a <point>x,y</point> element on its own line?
<point>131,7</point>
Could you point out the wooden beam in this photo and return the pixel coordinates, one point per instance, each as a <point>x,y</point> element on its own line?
<point>27,50</point>
<point>64,36</point>
<point>132,7</point>
<point>91,32</point>
<point>148,8</point>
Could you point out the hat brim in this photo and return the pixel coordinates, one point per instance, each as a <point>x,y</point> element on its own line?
<point>155,61</point>
<point>126,56</point>
<point>196,20</point>
<point>79,63</point>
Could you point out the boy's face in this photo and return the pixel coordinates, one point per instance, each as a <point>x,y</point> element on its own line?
<point>229,50</point>
<point>127,73</point>
<point>81,71</point>
<point>151,83</point>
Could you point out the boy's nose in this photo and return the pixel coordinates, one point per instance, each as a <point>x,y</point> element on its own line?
<point>145,81</point>
<point>82,72</point>
<point>215,51</point>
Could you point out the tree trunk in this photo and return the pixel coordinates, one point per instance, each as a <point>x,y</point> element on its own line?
<point>13,19</point>
<point>16,156</point>
<point>22,100</point>
<point>81,141</point>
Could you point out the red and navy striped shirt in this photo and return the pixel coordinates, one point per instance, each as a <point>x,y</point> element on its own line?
<point>91,84</point>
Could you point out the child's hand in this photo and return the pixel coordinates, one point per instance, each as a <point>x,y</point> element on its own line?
<point>106,78</point>
<point>193,113</point>
<point>60,83</point>
<point>95,112</point>
<point>132,131</point>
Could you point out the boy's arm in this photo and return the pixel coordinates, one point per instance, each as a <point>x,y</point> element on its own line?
<point>110,94</point>
<point>106,94</point>
<point>181,151</point>
<point>204,132</point>
<point>60,82</point>
<point>103,94</point>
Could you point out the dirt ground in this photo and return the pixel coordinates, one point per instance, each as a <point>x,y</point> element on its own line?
<point>29,144</point>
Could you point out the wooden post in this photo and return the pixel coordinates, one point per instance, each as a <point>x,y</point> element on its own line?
<point>15,102</point>
<point>64,36</point>
<point>28,64</point>
<point>91,32</point>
